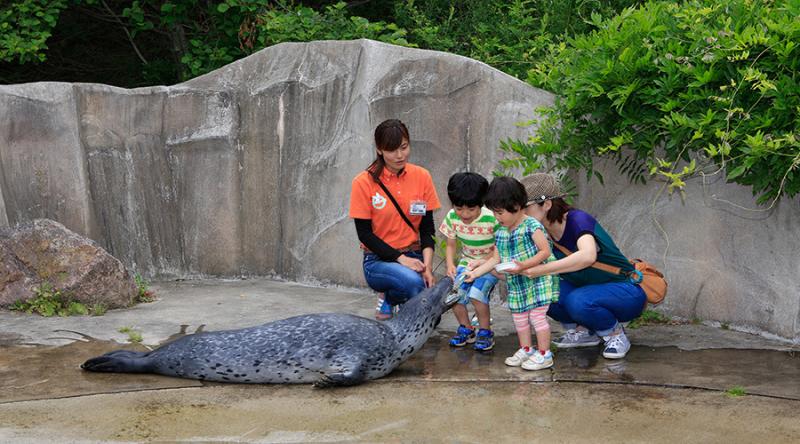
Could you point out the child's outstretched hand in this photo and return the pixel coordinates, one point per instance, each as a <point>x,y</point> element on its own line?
<point>517,269</point>
<point>468,276</point>
<point>451,271</point>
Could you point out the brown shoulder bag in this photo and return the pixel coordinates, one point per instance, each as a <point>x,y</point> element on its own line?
<point>644,273</point>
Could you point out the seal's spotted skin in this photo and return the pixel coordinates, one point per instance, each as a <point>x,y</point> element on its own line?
<point>331,349</point>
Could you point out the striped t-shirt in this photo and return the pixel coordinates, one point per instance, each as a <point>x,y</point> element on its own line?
<point>477,237</point>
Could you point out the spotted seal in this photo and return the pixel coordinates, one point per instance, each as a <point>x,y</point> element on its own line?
<point>331,349</point>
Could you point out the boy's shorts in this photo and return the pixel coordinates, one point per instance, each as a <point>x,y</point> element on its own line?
<point>480,289</point>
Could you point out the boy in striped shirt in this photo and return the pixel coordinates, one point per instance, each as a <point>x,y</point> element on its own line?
<point>474,226</point>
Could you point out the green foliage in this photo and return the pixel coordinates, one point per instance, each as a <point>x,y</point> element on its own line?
<point>301,23</point>
<point>736,391</point>
<point>144,294</point>
<point>25,26</point>
<point>648,317</point>
<point>198,37</point>
<point>208,35</point>
<point>98,309</point>
<point>509,35</point>
<point>674,90</point>
<point>133,335</point>
<point>50,301</point>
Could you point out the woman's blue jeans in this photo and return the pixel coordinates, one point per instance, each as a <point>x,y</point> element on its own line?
<point>398,283</point>
<point>598,307</point>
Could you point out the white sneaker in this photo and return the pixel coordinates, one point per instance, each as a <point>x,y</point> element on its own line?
<point>538,361</point>
<point>577,338</point>
<point>519,357</point>
<point>617,346</point>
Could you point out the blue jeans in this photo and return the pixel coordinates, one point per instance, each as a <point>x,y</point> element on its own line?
<point>479,289</point>
<point>598,307</point>
<point>398,283</point>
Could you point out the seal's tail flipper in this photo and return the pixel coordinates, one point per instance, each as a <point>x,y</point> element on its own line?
<point>120,361</point>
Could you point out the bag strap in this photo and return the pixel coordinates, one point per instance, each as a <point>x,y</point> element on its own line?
<point>396,205</point>
<point>598,265</point>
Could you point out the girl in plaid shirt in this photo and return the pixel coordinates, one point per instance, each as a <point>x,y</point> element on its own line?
<point>522,240</point>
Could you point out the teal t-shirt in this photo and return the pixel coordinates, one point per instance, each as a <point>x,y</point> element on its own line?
<point>579,223</point>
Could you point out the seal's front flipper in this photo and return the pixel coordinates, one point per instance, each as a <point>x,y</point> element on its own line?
<point>345,377</point>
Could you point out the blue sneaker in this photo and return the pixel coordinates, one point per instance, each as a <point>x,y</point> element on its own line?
<point>383,311</point>
<point>484,340</point>
<point>475,322</point>
<point>463,336</point>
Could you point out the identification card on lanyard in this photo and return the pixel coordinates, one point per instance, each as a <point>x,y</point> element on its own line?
<point>418,208</point>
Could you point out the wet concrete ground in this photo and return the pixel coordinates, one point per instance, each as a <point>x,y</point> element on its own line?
<point>665,390</point>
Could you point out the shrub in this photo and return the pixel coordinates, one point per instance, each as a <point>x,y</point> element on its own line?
<point>209,35</point>
<point>50,301</point>
<point>144,294</point>
<point>303,24</point>
<point>508,35</point>
<point>648,317</point>
<point>25,26</point>
<point>678,89</point>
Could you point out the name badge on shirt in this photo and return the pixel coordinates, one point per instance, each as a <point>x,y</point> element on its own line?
<point>418,208</point>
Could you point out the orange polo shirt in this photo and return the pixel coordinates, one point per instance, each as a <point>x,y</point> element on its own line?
<point>369,201</point>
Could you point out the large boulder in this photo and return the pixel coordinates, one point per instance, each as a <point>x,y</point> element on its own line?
<point>44,251</point>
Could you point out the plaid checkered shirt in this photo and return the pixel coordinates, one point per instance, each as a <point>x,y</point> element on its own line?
<point>524,293</point>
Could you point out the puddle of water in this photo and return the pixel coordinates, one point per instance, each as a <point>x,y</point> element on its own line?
<point>39,372</point>
<point>45,372</point>
<point>764,372</point>
<point>9,339</point>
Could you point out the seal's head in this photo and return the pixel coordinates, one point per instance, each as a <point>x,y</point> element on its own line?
<point>427,307</point>
<point>418,318</point>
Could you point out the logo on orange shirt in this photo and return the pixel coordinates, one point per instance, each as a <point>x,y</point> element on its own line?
<point>378,201</point>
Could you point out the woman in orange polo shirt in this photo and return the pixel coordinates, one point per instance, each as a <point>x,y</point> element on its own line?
<point>397,239</point>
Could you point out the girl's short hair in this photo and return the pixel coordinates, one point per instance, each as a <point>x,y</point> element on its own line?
<point>389,136</point>
<point>506,193</point>
<point>467,189</point>
<point>558,210</point>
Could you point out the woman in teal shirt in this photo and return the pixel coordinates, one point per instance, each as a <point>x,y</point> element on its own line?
<point>592,303</point>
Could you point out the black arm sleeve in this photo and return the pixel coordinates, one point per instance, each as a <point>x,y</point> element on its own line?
<point>426,231</point>
<point>373,242</point>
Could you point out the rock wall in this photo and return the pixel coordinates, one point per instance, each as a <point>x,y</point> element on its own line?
<point>726,258</point>
<point>246,170</point>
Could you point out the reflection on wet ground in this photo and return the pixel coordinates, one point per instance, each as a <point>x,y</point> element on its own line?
<point>37,372</point>
<point>762,372</point>
<point>42,372</point>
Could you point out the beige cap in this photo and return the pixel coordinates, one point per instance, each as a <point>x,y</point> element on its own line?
<point>540,187</point>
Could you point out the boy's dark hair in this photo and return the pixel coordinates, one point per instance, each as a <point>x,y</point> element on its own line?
<point>506,193</point>
<point>467,189</point>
